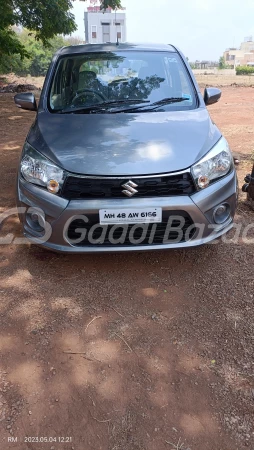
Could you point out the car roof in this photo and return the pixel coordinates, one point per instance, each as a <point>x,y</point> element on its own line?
<point>110,47</point>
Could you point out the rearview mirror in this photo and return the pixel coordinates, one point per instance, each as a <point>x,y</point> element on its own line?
<point>26,101</point>
<point>212,95</point>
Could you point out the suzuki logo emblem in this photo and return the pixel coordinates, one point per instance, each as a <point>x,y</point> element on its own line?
<point>129,189</point>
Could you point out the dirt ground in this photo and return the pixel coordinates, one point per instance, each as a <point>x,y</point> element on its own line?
<point>144,351</point>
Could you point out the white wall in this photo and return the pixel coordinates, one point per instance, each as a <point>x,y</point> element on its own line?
<point>96,19</point>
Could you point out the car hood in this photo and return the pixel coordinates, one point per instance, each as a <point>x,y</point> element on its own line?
<point>124,144</point>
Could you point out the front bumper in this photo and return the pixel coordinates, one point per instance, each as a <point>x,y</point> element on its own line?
<point>58,212</point>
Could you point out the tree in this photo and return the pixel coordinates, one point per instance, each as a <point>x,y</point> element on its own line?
<point>74,40</point>
<point>46,18</point>
<point>39,55</point>
<point>222,63</point>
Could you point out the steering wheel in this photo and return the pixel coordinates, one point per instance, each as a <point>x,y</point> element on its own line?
<point>89,92</point>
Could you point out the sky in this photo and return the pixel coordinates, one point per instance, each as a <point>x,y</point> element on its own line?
<point>202,29</point>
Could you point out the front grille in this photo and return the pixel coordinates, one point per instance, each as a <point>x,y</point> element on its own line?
<point>96,188</point>
<point>93,234</point>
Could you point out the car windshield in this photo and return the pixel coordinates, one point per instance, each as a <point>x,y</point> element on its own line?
<point>121,79</point>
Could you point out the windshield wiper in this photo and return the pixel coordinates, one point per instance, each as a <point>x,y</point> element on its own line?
<point>155,105</point>
<point>101,106</point>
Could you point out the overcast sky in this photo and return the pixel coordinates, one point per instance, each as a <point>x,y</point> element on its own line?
<point>202,29</point>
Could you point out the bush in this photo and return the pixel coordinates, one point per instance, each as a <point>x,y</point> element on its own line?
<point>39,55</point>
<point>244,70</point>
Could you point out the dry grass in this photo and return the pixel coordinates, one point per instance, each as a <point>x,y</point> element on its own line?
<point>224,80</point>
<point>178,446</point>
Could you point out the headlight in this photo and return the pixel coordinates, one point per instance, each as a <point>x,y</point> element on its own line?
<point>216,164</point>
<point>37,169</point>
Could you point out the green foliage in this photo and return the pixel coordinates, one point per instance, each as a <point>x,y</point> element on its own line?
<point>46,19</point>
<point>39,56</point>
<point>74,40</point>
<point>222,63</point>
<point>244,70</point>
<point>115,4</point>
<point>10,44</point>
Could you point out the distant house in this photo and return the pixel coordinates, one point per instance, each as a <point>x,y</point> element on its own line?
<point>104,26</point>
<point>242,56</point>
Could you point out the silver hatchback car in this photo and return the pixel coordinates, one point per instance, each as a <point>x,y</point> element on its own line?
<point>123,154</point>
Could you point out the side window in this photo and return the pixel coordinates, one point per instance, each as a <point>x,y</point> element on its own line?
<point>57,89</point>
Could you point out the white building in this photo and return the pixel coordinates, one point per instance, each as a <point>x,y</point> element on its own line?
<point>107,26</point>
<point>244,56</point>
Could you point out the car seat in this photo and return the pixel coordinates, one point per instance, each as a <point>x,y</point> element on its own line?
<point>88,80</point>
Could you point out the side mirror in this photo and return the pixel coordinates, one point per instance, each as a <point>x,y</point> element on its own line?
<point>26,101</point>
<point>211,95</point>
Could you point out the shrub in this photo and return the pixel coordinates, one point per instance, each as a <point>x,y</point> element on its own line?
<point>244,70</point>
<point>39,56</point>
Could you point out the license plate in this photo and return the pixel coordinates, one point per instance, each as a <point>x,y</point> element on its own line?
<point>130,215</point>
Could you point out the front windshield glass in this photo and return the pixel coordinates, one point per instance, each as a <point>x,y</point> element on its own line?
<point>123,78</point>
